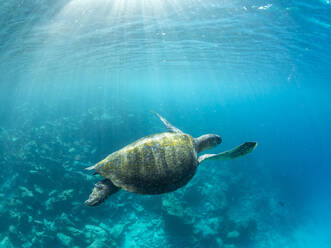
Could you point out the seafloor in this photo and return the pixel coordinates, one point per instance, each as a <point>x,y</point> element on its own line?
<point>44,187</point>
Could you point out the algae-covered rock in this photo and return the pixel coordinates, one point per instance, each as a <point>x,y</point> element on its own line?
<point>25,192</point>
<point>100,244</point>
<point>233,235</point>
<point>208,227</point>
<point>66,194</point>
<point>12,229</point>
<point>171,205</point>
<point>38,189</point>
<point>98,237</point>
<point>143,234</point>
<point>64,239</point>
<point>229,246</point>
<point>116,230</point>
<point>94,232</point>
<point>49,225</point>
<point>74,231</point>
<point>219,242</point>
<point>178,218</point>
<point>71,150</point>
<point>6,243</point>
<point>64,220</point>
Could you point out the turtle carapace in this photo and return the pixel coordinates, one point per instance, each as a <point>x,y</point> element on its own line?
<point>158,163</point>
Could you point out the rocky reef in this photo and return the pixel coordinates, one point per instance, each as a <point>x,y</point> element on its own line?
<point>44,188</point>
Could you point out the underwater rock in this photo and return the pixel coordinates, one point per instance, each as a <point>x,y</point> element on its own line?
<point>233,235</point>
<point>64,220</point>
<point>27,245</point>
<point>66,194</point>
<point>74,231</point>
<point>36,221</point>
<point>219,200</point>
<point>229,246</point>
<point>219,242</point>
<point>25,192</point>
<point>3,208</point>
<point>143,234</point>
<point>6,243</point>
<point>49,203</point>
<point>33,172</point>
<point>137,207</point>
<point>117,230</point>
<point>95,233</point>
<point>50,225</point>
<point>64,239</point>
<point>207,227</point>
<point>55,198</point>
<point>39,234</point>
<point>71,150</point>
<point>12,229</point>
<point>99,244</point>
<point>14,215</point>
<point>38,189</point>
<point>52,192</point>
<point>178,218</point>
<point>171,205</point>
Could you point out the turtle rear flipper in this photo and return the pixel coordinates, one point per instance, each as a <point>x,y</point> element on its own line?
<point>239,151</point>
<point>97,165</point>
<point>101,191</point>
<point>91,167</point>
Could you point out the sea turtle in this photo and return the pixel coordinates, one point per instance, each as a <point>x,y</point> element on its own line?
<point>158,163</point>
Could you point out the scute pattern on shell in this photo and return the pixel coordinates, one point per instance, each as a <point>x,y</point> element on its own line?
<point>155,164</point>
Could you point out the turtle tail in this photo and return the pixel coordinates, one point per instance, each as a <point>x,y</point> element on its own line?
<point>92,167</point>
<point>95,167</point>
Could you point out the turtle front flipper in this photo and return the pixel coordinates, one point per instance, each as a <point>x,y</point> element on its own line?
<point>171,128</point>
<point>239,151</point>
<point>101,191</point>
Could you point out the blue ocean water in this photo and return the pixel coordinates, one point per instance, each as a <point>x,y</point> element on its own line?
<point>79,79</point>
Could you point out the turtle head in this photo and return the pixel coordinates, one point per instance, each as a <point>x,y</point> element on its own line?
<point>207,141</point>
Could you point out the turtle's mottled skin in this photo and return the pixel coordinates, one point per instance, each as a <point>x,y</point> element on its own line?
<point>155,164</point>
<point>158,163</point>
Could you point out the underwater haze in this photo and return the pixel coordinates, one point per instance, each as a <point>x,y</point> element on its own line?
<point>79,79</point>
